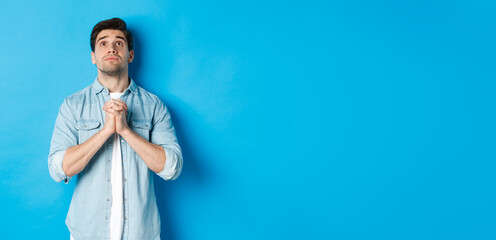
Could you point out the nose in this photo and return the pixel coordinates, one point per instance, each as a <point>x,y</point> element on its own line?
<point>112,49</point>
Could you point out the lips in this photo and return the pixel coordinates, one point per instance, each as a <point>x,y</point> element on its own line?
<point>111,58</point>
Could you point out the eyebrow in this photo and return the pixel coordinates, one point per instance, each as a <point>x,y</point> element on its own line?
<point>107,36</point>
<point>101,38</point>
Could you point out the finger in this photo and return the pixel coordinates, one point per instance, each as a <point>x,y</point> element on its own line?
<point>107,105</point>
<point>113,112</point>
<point>121,103</point>
<point>117,107</point>
<point>114,105</point>
<point>109,111</point>
<point>116,113</point>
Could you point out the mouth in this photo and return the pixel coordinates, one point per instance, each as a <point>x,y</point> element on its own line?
<point>111,58</point>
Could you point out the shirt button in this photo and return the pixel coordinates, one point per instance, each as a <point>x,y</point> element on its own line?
<point>106,218</point>
<point>146,125</point>
<point>122,140</point>
<point>125,179</point>
<point>125,199</point>
<point>125,218</point>
<point>108,200</point>
<point>108,180</point>
<point>108,160</point>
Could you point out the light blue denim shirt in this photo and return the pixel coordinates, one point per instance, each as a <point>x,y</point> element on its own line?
<point>79,118</point>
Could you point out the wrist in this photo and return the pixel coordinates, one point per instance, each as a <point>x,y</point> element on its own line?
<point>106,132</point>
<point>125,132</point>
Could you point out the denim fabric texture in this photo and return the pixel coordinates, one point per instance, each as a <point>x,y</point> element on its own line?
<point>79,118</point>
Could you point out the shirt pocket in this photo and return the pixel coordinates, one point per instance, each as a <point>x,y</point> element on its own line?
<point>142,127</point>
<point>87,128</point>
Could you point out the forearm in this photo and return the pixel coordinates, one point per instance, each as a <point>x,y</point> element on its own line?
<point>77,157</point>
<point>152,154</point>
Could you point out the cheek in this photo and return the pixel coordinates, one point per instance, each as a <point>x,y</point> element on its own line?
<point>96,57</point>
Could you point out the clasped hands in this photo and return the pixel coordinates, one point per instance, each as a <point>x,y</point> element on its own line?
<point>115,116</point>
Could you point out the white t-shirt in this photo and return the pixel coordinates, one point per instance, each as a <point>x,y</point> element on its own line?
<point>117,209</point>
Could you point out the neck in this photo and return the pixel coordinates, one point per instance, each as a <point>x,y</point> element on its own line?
<point>115,84</point>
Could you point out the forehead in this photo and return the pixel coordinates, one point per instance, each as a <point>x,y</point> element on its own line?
<point>110,33</point>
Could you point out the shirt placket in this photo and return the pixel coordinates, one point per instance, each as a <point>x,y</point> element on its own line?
<point>125,170</point>
<point>104,97</point>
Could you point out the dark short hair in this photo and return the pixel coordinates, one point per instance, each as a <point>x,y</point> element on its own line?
<point>114,24</point>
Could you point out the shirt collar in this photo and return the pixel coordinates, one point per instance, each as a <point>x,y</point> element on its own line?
<point>98,87</point>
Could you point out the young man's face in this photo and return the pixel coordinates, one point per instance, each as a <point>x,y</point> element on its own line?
<point>111,54</point>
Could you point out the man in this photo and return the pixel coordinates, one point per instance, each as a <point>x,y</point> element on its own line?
<point>113,135</point>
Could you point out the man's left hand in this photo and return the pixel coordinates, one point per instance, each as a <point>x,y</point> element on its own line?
<point>118,108</point>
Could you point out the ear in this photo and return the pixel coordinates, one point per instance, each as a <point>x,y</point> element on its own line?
<point>131,56</point>
<point>93,60</point>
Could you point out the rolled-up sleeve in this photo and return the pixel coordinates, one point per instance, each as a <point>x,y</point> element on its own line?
<point>163,134</point>
<point>64,136</point>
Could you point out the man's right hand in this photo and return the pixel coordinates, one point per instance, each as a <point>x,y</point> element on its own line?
<point>109,125</point>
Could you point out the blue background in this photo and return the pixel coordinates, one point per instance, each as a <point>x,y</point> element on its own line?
<point>298,119</point>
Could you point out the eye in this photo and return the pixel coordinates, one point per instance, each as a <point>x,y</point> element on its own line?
<point>119,43</point>
<point>103,44</point>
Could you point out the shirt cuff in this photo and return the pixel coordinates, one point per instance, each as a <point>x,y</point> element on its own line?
<point>170,165</point>
<point>57,160</point>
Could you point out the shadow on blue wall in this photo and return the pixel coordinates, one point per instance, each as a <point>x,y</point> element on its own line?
<point>192,176</point>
